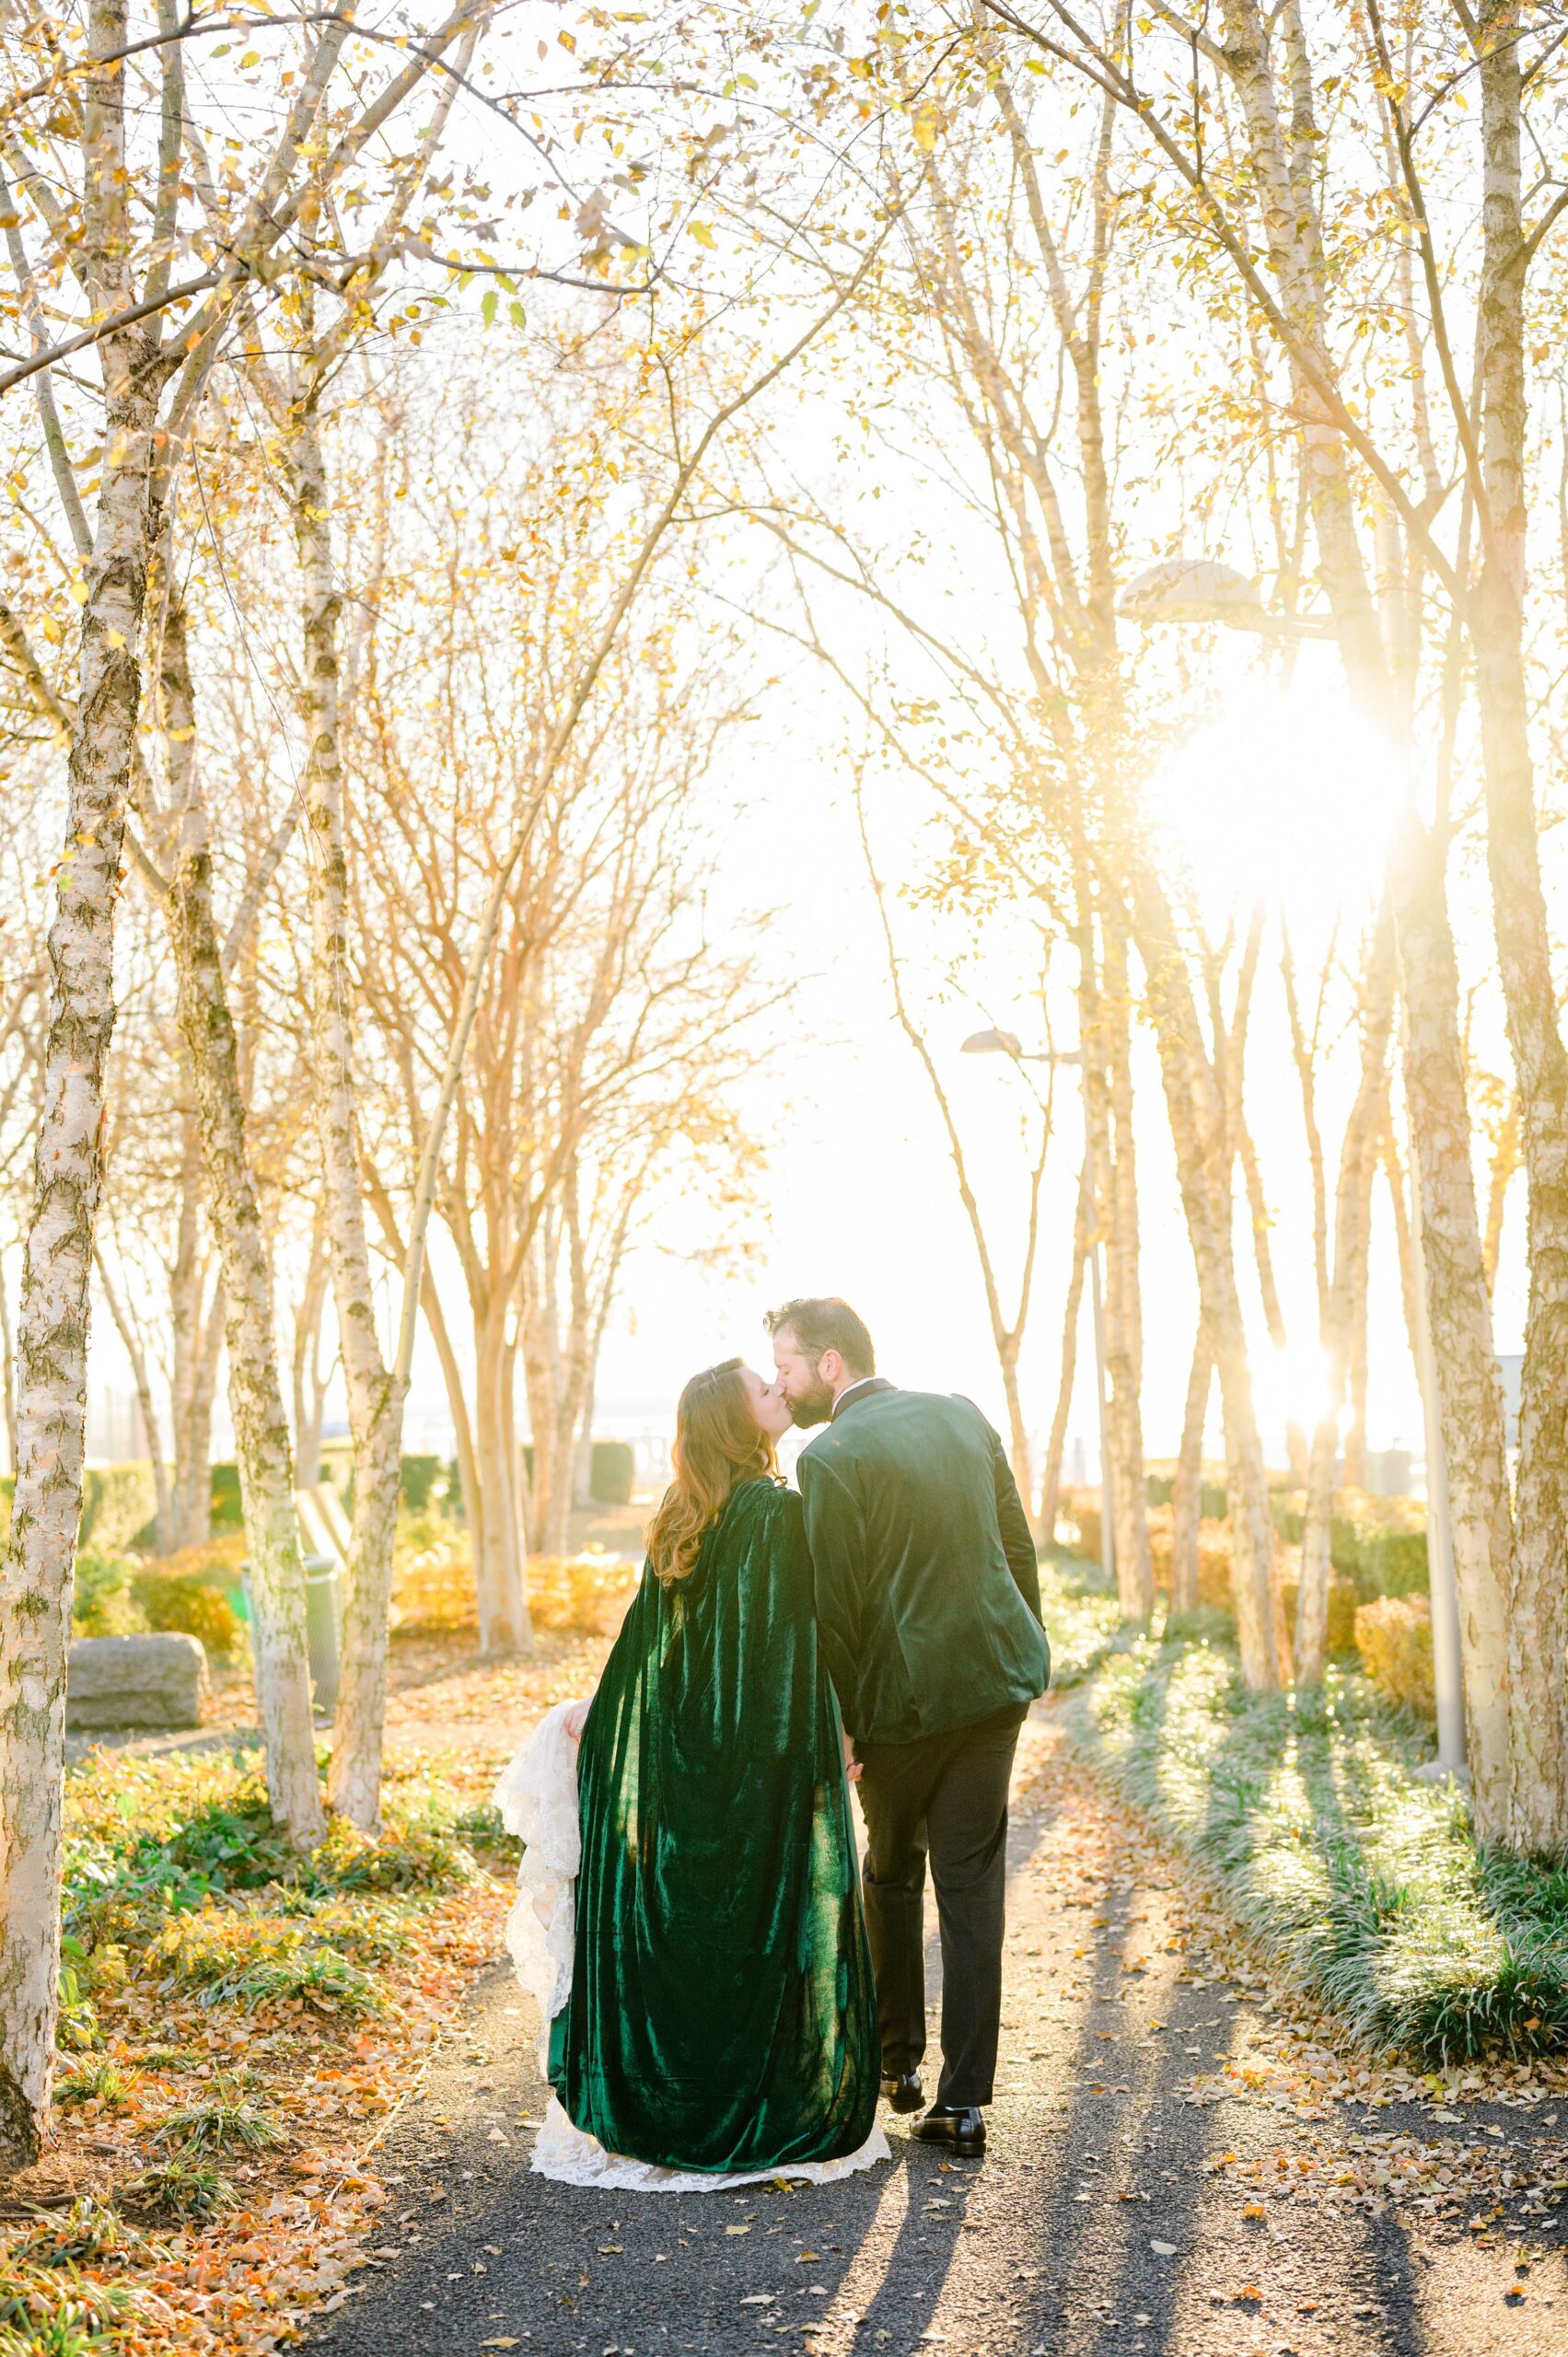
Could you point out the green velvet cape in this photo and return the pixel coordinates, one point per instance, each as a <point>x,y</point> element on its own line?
<point>722,2014</point>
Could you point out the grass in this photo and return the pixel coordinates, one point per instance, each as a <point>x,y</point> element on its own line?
<point>90,2232</point>
<point>249,2019</point>
<point>93,2081</point>
<point>53,2311</point>
<point>221,2122</point>
<point>1078,1605</point>
<point>1362,1885</point>
<point>184,2186</point>
<point>175,1872</point>
<point>234,1956</point>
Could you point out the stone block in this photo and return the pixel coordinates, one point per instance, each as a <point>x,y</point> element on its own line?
<point>156,1681</point>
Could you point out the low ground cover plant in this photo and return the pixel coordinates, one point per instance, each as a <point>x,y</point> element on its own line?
<point>236,2023</point>
<point>1360,1882</point>
<point>1081,1618</point>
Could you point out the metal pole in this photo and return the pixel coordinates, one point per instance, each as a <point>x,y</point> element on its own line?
<point>1106,1502</point>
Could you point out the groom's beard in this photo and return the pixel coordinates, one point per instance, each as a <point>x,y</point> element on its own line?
<point>813,1406</point>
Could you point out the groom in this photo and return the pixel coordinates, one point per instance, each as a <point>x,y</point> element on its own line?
<point>928,1606</point>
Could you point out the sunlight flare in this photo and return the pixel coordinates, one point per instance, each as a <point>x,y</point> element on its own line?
<point>1288,796</point>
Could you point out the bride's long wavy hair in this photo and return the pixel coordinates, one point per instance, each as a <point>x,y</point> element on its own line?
<point>718,1444</point>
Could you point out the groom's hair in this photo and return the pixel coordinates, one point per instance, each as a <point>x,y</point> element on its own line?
<point>825,1323</point>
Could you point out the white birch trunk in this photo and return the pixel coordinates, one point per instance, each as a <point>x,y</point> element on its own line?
<point>1124,1317</point>
<point>375,1399</point>
<point>1187,1490</point>
<point>1051,1479</point>
<point>504,1624</point>
<point>52,1328</point>
<point>1203,1163</point>
<point>1351,1207</point>
<point>255,1394</point>
<point>1538,1620</point>
<point>1460,1315</point>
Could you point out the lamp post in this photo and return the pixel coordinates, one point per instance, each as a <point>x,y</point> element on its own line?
<point>1004,1043</point>
<point>1196,590</point>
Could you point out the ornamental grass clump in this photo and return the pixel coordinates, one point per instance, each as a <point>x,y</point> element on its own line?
<point>1082,1619</point>
<point>90,2234</point>
<point>185,2187</point>
<point>97,2082</point>
<point>1362,1885</point>
<point>55,2311</point>
<point>223,2121</point>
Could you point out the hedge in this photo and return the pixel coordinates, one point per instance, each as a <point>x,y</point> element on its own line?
<point>1393,1637</point>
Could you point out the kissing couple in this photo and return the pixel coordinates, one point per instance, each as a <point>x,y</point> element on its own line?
<point>723,1994</point>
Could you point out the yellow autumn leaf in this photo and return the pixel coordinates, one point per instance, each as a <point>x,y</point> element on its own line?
<point>703,233</point>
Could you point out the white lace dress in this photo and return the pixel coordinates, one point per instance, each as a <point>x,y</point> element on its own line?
<point>537,1796</point>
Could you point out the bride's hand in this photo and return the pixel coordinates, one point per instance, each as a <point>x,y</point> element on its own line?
<point>853,1770</point>
<point>576,1718</point>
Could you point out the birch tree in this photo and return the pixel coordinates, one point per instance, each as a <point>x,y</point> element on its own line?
<point>110,242</point>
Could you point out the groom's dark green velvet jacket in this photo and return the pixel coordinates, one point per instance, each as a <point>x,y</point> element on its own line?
<point>927,1587</point>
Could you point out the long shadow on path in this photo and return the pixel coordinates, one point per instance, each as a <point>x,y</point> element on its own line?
<point>1104,2218</point>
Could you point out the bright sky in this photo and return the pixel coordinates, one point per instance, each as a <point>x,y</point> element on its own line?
<point>864,1199</point>
<point>1280,793</point>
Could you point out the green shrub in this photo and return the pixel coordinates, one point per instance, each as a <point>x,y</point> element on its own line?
<point>227,1511</point>
<point>614,1466</point>
<point>188,2189</point>
<point>1342,1612</point>
<point>253,1961</point>
<point>117,1499</point>
<point>1393,1637</point>
<point>92,2233</point>
<point>188,1601</point>
<point>76,2023</point>
<point>102,1603</point>
<point>416,1480</point>
<point>1395,1564</point>
<point>100,2082</point>
<point>55,2311</point>
<point>222,2122</point>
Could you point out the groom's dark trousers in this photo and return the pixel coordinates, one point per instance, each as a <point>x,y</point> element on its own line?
<point>942,1797</point>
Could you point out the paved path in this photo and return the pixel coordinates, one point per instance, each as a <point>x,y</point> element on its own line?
<point>1161,2181</point>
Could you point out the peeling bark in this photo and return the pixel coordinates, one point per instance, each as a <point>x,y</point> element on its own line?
<point>1537,1619</point>
<point>1050,1479</point>
<point>1187,1490</point>
<point>255,1394</point>
<point>375,1399</point>
<point>1104,1029</point>
<point>1347,1291</point>
<point>52,1320</point>
<point>1203,1163</point>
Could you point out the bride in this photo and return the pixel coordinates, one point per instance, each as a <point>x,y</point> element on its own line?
<point>690,1912</point>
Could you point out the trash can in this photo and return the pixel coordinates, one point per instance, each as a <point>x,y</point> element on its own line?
<point>323,1620</point>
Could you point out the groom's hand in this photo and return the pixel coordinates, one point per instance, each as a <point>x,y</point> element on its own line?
<point>851,1765</point>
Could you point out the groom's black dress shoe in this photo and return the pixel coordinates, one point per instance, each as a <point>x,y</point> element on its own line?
<point>962,2129</point>
<point>904,2093</point>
